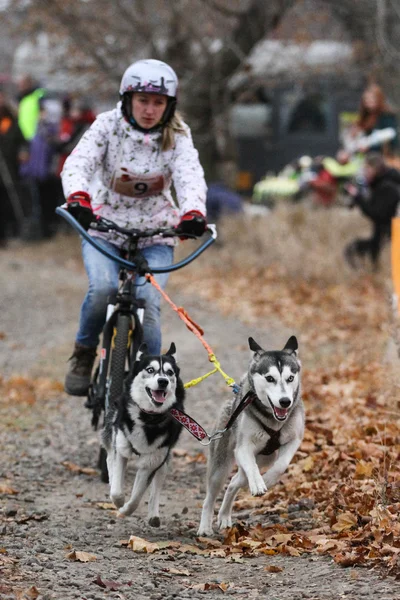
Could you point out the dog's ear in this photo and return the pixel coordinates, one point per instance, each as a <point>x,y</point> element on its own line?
<point>291,345</point>
<point>142,350</point>
<point>254,346</point>
<point>172,350</point>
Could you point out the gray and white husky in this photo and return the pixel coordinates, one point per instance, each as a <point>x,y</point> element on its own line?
<point>141,425</point>
<point>268,432</point>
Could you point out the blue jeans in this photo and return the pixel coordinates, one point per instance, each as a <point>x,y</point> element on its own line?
<point>103,281</point>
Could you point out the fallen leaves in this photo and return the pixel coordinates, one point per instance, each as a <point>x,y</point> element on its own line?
<point>273,569</point>
<point>77,469</point>
<point>77,555</point>
<point>109,585</point>
<point>344,522</point>
<point>172,571</point>
<point>7,489</point>
<point>141,545</point>
<point>205,587</point>
<point>25,390</point>
<point>30,593</point>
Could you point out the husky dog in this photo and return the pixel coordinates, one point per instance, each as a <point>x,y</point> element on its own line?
<point>141,425</point>
<point>267,433</point>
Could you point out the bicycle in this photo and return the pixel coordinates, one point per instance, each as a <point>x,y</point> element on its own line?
<point>122,333</point>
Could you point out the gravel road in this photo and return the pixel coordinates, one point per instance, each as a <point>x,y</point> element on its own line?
<point>57,511</point>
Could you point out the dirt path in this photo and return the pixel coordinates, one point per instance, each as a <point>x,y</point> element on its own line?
<point>57,510</point>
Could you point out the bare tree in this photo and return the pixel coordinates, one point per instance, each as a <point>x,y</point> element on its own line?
<point>206,41</point>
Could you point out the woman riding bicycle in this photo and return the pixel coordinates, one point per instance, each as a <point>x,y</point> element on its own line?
<point>122,170</point>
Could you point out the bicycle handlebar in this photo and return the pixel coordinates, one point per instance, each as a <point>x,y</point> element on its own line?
<point>137,234</point>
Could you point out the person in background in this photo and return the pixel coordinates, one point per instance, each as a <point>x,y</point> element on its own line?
<point>76,119</point>
<point>38,176</point>
<point>122,169</point>
<point>374,115</point>
<point>30,97</point>
<point>13,150</point>
<point>221,200</point>
<point>378,201</point>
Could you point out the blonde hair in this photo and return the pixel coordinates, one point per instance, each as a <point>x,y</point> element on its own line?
<point>175,125</point>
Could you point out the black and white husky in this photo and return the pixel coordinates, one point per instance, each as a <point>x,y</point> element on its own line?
<point>141,425</point>
<point>267,433</point>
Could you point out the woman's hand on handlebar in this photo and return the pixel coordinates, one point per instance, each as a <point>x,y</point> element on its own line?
<point>102,224</point>
<point>192,223</point>
<point>78,204</point>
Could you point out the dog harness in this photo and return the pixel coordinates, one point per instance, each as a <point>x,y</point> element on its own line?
<point>199,432</point>
<point>273,443</point>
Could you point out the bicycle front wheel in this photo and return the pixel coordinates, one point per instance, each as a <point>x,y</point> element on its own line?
<point>119,358</point>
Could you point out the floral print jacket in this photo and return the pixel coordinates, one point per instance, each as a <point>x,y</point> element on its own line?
<point>129,178</point>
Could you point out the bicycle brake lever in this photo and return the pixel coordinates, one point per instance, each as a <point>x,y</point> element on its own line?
<point>101,224</point>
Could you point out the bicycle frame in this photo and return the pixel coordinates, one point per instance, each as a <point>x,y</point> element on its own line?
<point>125,301</point>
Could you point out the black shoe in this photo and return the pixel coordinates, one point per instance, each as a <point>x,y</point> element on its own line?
<point>77,380</point>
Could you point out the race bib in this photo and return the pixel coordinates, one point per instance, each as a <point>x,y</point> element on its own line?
<point>136,186</point>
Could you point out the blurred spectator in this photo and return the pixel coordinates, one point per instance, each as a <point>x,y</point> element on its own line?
<point>13,149</point>
<point>38,172</point>
<point>374,116</point>
<point>221,200</point>
<point>29,97</point>
<point>378,201</point>
<point>76,119</point>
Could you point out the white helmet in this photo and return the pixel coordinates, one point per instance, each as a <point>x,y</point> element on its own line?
<point>151,76</point>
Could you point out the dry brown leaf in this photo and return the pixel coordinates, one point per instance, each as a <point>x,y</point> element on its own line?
<point>140,545</point>
<point>110,585</point>
<point>345,521</point>
<point>364,469</point>
<point>6,488</point>
<point>105,505</point>
<point>209,542</point>
<point>79,556</point>
<point>173,571</point>
<point>28,594</point>
<point>77,469</point>
<point>273,569</point>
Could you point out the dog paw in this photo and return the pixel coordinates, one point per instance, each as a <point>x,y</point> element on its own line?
<point>118,500</point>
<point>258,490</point>
<point>154,522</point>
<point>205,531</point>
<point>125,510</point>
<point>224,523</point>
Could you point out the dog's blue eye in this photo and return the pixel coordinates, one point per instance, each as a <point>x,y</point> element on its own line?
<point>290,379</point>
<point>270,379</point>
<point>150,370</point>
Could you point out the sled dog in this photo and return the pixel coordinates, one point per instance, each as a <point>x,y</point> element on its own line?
<point>267,433</point>
<point>141,425</point>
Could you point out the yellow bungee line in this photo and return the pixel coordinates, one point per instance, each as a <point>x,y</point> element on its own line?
<point>198,332</point>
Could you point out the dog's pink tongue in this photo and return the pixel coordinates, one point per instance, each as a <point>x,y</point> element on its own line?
<point>158,396</point>
<point>281,412</point>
